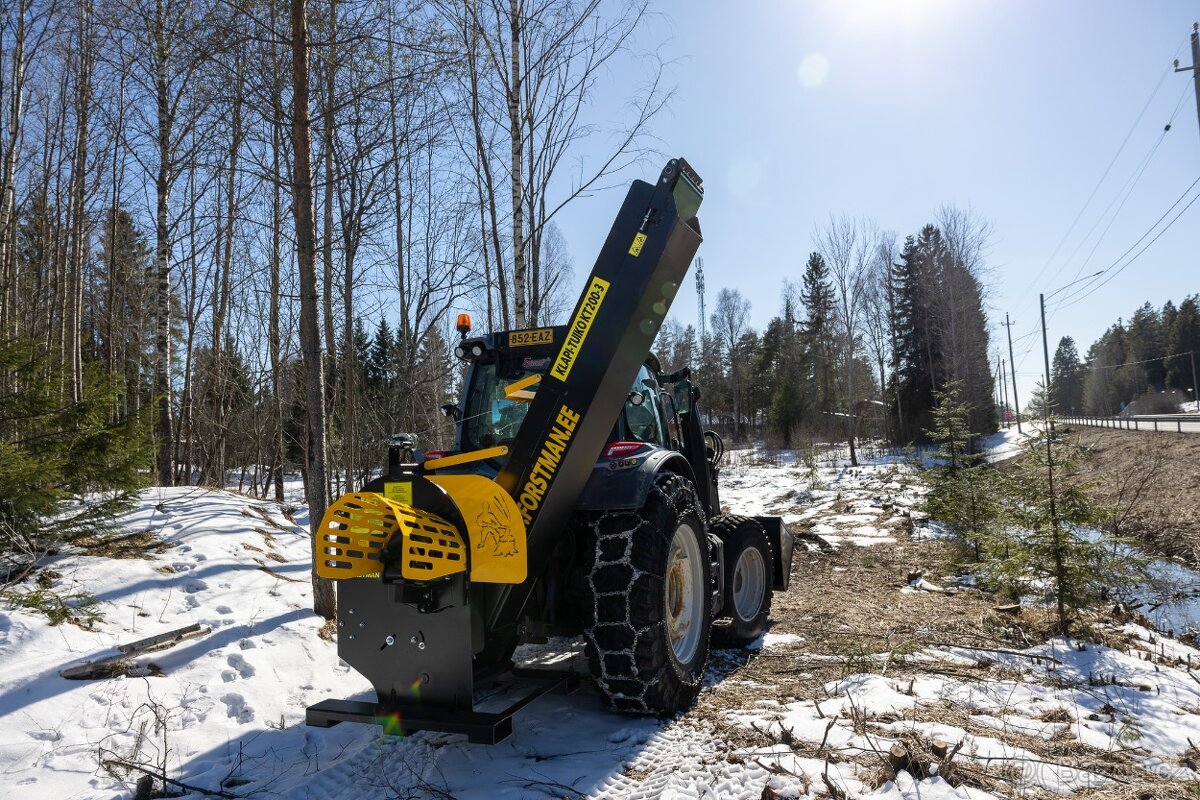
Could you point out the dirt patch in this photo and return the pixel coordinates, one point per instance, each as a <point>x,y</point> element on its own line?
<point>1150,479</point>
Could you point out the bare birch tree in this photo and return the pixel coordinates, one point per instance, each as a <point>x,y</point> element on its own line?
<point>849,246</point>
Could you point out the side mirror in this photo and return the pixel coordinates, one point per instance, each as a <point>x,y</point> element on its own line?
<point>451,410</point>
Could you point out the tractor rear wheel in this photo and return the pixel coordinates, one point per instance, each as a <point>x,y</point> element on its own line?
<point>747,598</point>
<point>650,592</point>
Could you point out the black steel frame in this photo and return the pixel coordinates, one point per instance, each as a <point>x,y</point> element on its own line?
<point>480,727</point>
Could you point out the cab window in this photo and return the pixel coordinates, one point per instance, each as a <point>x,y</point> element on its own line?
<point>644,420</point>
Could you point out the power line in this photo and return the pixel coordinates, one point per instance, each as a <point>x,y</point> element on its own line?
<point>1104,175</point>
<point>1135,178</point>
<point>1143,361</point>
<point>1070,301</point>
<point>1108,169</point>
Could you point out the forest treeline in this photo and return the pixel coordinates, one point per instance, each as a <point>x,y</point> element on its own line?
<point>233,236</point>
<point>173,173</point>
<point>1141,360</point>
<point>869,334</point>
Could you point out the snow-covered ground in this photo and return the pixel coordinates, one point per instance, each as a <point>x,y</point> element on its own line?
<point>1006,442</point>
<point>223,713</point>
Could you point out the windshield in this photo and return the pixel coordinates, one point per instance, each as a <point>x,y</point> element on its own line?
<point>491,418</point>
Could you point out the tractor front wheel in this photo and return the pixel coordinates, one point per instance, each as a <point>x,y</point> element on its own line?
<point>650,588</point>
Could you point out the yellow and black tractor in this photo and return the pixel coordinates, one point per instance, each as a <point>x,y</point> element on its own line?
<point>580,498</point>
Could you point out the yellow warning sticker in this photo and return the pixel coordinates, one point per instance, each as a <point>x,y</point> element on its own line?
<point>580,326</point>
<point>399,492</point>
<point>635,249</point>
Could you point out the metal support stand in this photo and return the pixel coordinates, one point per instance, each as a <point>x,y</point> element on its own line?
<point>480,727</point>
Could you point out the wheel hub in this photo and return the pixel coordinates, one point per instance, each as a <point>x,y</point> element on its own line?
<point>749,583</point>
<point>684,596</point>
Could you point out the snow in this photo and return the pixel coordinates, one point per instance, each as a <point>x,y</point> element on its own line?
<point>843,505</point>
<point>224,712</point>
<point>1005,443</point>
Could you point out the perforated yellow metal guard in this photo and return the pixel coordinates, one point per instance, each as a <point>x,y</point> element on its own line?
<point>357,527</point>
<point>354,531</point>
<point>432,547</point>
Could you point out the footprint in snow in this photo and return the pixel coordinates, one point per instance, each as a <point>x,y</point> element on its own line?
<point>193,586</point>
<point>199,557</point>
<point>247,644</point>
<point>224,610</point>
<point>237,708</point>
<point>243,667</point>
<point>191,602</point>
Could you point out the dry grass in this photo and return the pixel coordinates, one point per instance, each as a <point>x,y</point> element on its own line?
<point>1152,479</point>
<point>848,607</point>
<point>137,544</point>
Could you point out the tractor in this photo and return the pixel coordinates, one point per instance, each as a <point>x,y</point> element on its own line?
<point>580,498</point>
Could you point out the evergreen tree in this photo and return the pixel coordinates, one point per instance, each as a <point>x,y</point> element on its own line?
<point>380,362</point>
<point>783,373</point>
<point>1055,546</point>
<point>1184,337</point>
<point>1145,346</point>
<point>1066,378</point>
<point>964,494</point>
<point>1107,386</point>
<point>53,453</point>
<point>918,359</point>
<point>818,337</point>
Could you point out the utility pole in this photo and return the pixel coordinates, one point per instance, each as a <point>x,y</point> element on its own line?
<point>1195,67</point>
<point>997,388</point>
<point>1195,385</point>
<point>1013,363</point>
<point>1048,432</point>
<point>1004,384</point>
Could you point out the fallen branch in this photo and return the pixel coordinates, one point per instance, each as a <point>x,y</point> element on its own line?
<point>111,665</point>
<point>123,764</point>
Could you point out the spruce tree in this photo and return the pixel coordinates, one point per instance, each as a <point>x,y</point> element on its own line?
<point>1184,337</point>
<point>1066,377</point>
<point>1056,546</point>
<point>964,493</point>
<point>918,359</point>
<point>817,333</point>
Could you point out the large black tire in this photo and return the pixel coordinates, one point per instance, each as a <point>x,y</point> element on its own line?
<point>748,575</point>
<point>643,562</point>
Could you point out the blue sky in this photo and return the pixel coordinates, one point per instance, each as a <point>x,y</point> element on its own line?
<point>795,109</point>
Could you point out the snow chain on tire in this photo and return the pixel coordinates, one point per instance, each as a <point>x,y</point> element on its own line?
<point>628,646</point>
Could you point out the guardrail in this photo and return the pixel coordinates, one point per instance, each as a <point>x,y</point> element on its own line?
<point>1176,423</point>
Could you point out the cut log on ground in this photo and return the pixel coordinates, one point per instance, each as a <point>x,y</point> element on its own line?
<point>119,663</point>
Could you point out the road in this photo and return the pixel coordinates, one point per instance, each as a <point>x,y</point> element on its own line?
<point>1174,423</point>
